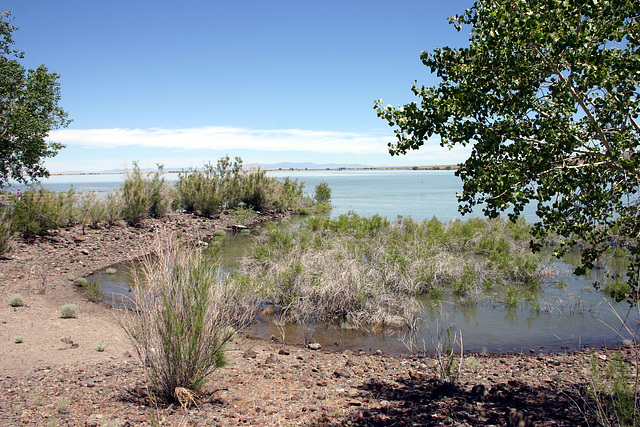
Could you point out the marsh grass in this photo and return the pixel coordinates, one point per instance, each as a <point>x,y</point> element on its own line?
<point>368,271</point>
<point>183,314</point>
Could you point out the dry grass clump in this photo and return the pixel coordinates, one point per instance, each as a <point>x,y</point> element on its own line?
<point>182,315</point>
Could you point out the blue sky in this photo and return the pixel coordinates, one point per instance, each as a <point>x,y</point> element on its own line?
<point>186,82</point>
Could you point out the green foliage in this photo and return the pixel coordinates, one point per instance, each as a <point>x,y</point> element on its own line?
<point>369,270</point>
<point>200,192</point>
<point>614,392</point>
<point>6,230</point>
<point>227,186</point>
<point>243,215</point>
<point>29,110</point>
<point>39,210</point>
<point>69,311</point>
<point>184,314</point>
<point>617,288</point>
<point>547,94</point>
<point>16,300</point>
<point>322,193</point>
<point>145,195</point>
<point>93,289</point>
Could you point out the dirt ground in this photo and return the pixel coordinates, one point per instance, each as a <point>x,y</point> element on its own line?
<point>83,372</point>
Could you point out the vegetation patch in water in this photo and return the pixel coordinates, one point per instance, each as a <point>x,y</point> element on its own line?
<point>369,271</point>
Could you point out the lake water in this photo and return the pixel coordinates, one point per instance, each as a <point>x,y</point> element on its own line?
<point>569,317</point>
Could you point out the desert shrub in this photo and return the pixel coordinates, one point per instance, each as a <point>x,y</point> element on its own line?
<point>182,315</point>
<point>92,287</point>
<point>6,230</point>
<point>69,311</point>
<point>144,195</point>
<point>113,207</point>
<point>39,210</point>
<point>242,215</point>
<point>200,191</point>
<point>16,300</point>
<point>92,209</point>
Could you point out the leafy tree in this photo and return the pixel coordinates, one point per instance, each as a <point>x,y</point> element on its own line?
<point>28,112</point>
<point>547,95</point>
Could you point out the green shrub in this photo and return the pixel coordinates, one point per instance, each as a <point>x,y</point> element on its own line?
<point>16,300</point>
<point>184,314</point>
<point>69,311</point>
<point>200,191</point>
<point>19,339</point>
<point>322,193</point>
<point>6,231</point>
<point>614,391</point>
<point>40,210</point>
<point>144,195</point>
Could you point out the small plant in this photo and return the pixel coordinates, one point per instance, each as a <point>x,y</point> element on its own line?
<point>101,346</point>
<point>94,290</point>
<point>81,281</point>
<point>19,339</point>
<point>63,405</point>
<point>16,300</point>
<point>111,270</point>
<point>473,363</point>
<point>69,311</point>
<point>615,393</point>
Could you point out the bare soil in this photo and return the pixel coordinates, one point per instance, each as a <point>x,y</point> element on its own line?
<point>57,376</point>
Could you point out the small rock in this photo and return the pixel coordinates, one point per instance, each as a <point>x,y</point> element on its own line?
<point>341,374</point>
<point>284,351</point>
<point>314,346</point>
<point>249,354</point>
<point>517,418</point>
<point>270,360</point>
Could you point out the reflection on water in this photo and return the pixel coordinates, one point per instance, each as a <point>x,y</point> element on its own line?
<point>569,315</point>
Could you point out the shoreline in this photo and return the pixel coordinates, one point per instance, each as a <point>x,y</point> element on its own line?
<point>451,167</point>
<point>58,375</point>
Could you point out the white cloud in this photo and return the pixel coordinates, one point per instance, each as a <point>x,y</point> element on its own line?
<point>224,138</point>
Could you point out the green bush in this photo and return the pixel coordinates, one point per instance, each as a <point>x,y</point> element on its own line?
<point>200,191</point>
<point>364,270</point>
<point>322,193</point>
<point>184,314</point>
<point>16,300</point>
<point>145,196</point>
<point>6,230</point>
<point>39,210</point>
<point>69,311</point>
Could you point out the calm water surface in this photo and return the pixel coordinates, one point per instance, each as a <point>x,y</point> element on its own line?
<point>569,317</point>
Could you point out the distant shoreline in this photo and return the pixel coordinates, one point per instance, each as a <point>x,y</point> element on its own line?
<point>383,168</point>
